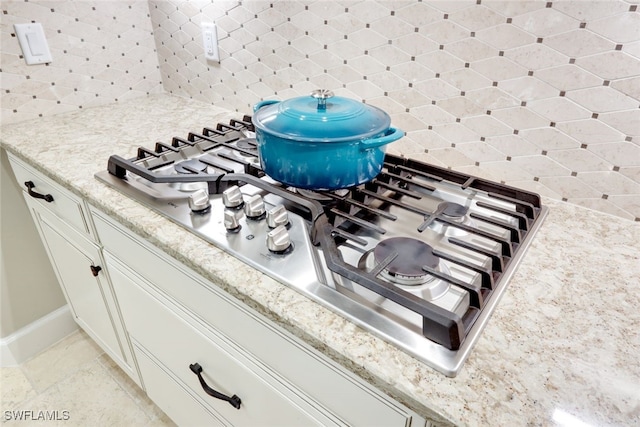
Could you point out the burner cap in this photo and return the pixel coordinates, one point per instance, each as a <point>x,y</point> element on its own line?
<point>412,255</point>
<point>190,166</point>
<point>320,197</point>
<point>248,144</point>
<point>454,210</point>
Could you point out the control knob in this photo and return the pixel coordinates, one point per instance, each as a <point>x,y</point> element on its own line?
<point>232,197</point>
<point>199,202</point>
<point>278,240</point>
<point>277,216</point>
<point>254,208</point>
<point>231,221</point>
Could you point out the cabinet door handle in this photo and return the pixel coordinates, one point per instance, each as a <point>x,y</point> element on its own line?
<point>95,269</point>
<point>30,186</point>
<point>233,400</point>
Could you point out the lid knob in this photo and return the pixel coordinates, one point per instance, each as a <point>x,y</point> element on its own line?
<point>322,95</point>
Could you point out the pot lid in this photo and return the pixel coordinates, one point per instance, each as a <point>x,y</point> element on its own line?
<point>320,116</point>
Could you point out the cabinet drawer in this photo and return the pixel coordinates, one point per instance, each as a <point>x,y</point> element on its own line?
<point>179,341</point>
<point>168,394</point>
<point>62,202</point>
<point>340,392</point>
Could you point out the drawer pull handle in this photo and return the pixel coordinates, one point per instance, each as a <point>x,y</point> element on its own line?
<point>233,400</point>
<point>30,186</point>
<point>95,269</point>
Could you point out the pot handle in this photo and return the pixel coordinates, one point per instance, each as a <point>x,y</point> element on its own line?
<point>264,103</point>
<point>393,134</point>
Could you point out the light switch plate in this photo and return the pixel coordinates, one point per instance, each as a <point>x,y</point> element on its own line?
<point>33,43</point>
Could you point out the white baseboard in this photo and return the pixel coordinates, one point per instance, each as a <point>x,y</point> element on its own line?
<point>36,336</point>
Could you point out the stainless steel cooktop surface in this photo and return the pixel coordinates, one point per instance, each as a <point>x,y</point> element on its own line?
<point>419,256</point>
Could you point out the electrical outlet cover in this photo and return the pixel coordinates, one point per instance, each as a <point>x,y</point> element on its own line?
<point>210,41</point>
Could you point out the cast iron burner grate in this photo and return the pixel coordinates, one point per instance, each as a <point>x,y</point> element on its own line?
<point>336,223</point>
<point>231,136</point>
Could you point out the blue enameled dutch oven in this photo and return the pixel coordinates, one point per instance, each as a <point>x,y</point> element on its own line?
<point>322,141</point>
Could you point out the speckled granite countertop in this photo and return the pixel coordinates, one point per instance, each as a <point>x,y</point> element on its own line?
<point>563,346</point>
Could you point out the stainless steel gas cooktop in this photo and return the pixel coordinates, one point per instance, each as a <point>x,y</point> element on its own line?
<point>419,256</point>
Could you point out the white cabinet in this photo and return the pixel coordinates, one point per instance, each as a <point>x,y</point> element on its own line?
<point>173,347</point>
<point>182,338</point>
<point>176,318</point>
<point>64,226</point>
<point>78,266</point>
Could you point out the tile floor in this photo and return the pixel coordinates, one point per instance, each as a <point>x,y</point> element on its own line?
<point>75,375</point>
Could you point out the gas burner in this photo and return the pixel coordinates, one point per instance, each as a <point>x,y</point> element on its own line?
<point>247,150</point>
<point>325,196</point>
<point>406,267</point>
<point>248,144</point>
<point>190,166</point>
<point>189,187</point>
<point>412,254</point>
<point>450,213</point>
<point>405,270</point>
<point>186,167</point>
<point>454,210</point>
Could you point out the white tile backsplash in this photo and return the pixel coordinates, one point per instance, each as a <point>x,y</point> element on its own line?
<point>632,49</point>
<point>591,10</point>
<point>528,88</point>
<point>512,145</point>
<point>460,107</point>
<point>543,95</point>
<point>627,121</point>
<point>541,166</point>
<point>559,109</point>
<point>568,77</point>
<point>102,52</point>
<point>611,65</point>
<point>492,98</point>
<point>620,154</point>
<point>580,160</point>
<point>486,125</point>
<point>591,131</point>
<point>571,185</point>
<point>609,182</point>
<point>579,42</point>
<point>536,56</point>
<point>623,28</point>
<point>505,36</point>
<point>465,79</point>
<point>520,118</point>
<point>603,99</point>
<point>546,21</point>
<point>498,68</point>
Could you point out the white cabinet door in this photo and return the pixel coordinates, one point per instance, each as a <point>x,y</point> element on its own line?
<point>78,265</point>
